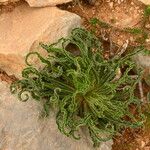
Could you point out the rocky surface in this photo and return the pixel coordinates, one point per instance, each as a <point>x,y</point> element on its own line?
<point>7,1</point>
<point>3,1</point>
<point>144,62</point>
<point>21,128</point>
<point>146,2</point>
<point>42,3</point>
<point>37,3</point>
<point>23,28</point>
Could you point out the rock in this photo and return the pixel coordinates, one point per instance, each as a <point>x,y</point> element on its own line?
<point>4,2</point>
<point>42,3</point>
<point>38,3</point>
<point>23,28</point>
<point>146,2</point>
<point>22,129</point>
<point>144,62</point>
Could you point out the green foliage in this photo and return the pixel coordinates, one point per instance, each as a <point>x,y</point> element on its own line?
<point>102,24</point>
<point>134,31</point>
<point>83,87</point>
<point>146,52</point>
<point>147,11</point>
<point>139,32</point>
<point>142,39</point>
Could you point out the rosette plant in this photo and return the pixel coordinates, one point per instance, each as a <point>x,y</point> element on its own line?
<point>83,87</point>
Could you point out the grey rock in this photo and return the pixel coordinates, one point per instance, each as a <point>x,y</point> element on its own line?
<point>21,128</point>
<point>144,63</point>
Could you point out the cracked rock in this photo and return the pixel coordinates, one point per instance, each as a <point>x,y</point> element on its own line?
<point>23,28</point>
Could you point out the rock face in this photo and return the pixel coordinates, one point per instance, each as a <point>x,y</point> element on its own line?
<point>21,129</point>
<point>146,2</point>
<point>144,62</point>
<point>23,29</point>
<point>4,2</point>
<point>42,3</point>
<point>38,3</point>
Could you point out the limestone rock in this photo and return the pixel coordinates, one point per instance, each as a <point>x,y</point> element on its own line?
<point>38,3</point>
<point>21,128</point>
<point>146,2</point>
<point>4,2</point>
<point>42,3</point>
<point>144,62</point>
<point>22,29</point>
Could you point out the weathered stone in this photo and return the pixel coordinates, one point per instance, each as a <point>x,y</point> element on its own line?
<point>146,2</point>
<point>4,2</point>
<point>144,62</point>
<point>38,3</point>
<point>21,128</point>
<point>42,3</point>
<point>22,29</point>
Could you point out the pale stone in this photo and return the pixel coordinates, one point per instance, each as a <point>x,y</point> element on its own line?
<point>7,1</point>
<point>146,2</point>
<point>22,129</point>
<point>22,29</point>
<point>144,62</point>
<point>2,1</point>
<point>38,3</point>
<point>42,3</point>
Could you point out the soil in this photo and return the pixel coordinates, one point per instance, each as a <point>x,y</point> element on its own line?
<point>119,15</point>
<point>127,14</point>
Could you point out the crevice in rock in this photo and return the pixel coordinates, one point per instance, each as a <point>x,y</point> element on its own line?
<point>7,78</point>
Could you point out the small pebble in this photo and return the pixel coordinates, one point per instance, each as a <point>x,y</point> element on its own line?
<point>142,144</point>
<point>111,5</point>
